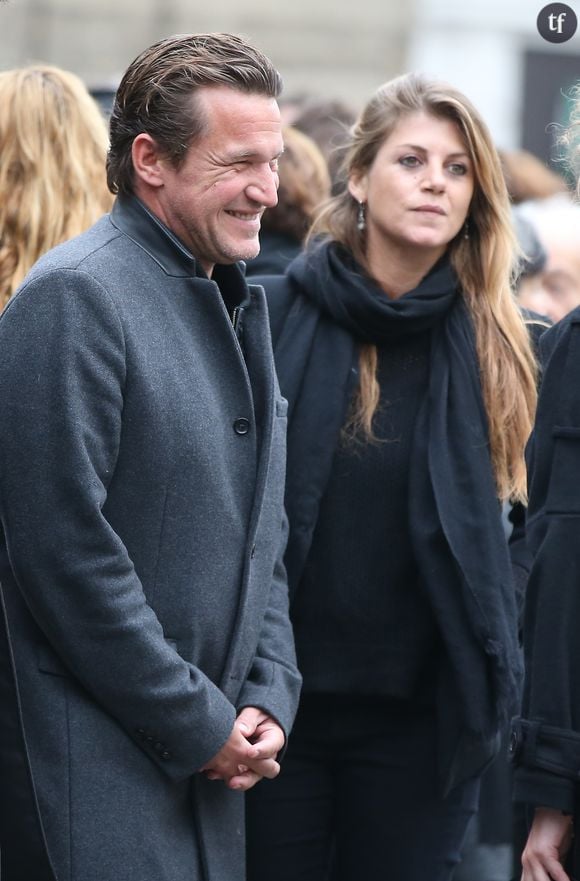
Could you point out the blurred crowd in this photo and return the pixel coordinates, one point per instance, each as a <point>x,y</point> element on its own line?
<point>36,212</point>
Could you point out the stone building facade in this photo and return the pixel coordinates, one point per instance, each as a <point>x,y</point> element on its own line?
<point>336,49</point>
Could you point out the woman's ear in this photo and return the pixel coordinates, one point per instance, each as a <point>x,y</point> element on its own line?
<point>147,160</point>
<point>358,186</point>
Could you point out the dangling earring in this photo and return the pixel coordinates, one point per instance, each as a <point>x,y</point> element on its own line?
<point>466,230</point>
<point>361,219</point>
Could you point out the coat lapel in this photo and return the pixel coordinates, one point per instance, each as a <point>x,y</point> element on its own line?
<point>257,348</point>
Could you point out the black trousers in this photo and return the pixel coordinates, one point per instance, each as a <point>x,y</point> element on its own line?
<point>357,799</point>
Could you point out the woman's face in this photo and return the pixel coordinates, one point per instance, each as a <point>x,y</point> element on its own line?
<point>417,191</point>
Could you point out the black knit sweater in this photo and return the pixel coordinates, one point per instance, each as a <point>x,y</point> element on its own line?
<point>362,622</point>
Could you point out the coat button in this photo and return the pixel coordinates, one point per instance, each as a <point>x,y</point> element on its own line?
<point>515,744</point>
<point>165,754</point>
<point>242,425</point>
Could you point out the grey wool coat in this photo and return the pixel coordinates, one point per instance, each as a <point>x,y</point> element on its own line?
<point>142,459</point>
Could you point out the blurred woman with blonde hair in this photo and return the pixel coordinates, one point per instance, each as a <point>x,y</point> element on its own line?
<point>53,144</point>
<point>304,184</point>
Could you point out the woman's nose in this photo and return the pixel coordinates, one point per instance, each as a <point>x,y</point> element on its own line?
<point>434,177</point>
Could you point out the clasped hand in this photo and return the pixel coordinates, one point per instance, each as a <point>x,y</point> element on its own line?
<point>548,843</point>
<point>249,752</point>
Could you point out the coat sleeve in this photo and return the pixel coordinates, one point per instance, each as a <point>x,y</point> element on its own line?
<point>61,398</point>
<point>273,683</point>
<point>521,558</point>
<point>545,741</point>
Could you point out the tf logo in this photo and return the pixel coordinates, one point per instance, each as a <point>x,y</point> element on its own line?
<point>557,23</point>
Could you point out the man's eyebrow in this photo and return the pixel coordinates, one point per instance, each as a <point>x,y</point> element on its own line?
<point>241,155</point>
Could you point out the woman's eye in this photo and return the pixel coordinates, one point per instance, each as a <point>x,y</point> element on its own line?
<point>409,161</point>
<point>457,168</point>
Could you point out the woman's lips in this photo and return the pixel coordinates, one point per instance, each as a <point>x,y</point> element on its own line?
<point>430,209</point>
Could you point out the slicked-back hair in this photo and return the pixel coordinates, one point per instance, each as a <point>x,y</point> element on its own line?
<point>156,95</point>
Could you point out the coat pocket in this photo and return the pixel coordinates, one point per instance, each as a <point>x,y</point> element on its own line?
<point>563,496</point>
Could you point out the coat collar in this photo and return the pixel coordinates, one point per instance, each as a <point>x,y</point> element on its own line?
<point>131,217</point>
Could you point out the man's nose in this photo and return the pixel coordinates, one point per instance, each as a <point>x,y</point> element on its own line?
<point>263,188</point>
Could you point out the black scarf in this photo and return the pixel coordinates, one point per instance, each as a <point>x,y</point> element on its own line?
<point>454,513</point>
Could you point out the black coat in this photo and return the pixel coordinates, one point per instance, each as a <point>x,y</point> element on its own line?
<point>470,756</point>
<point>546,740</point>
<point>277,250</point>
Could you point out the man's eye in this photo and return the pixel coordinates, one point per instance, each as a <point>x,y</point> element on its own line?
<point>274,165</point>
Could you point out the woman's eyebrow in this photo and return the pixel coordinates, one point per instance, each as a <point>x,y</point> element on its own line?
<point>419,149</point>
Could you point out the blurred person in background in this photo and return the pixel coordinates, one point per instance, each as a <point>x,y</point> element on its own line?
<point>291,104</point>
<point>533,254</point>
<point>545,740</point>
<point>104,95</point>
<point>304,185</point>
<point>53,144</point>
<point>411,386</point>
<point>527,177</point>
<point>555,291</point>
<point>327,121</point>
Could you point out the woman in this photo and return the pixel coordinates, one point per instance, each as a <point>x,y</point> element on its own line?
<point>53,143</point>
<point>411,388</point>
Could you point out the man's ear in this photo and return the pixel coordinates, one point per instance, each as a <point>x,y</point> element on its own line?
<point>147,160</point>
<point>358,185</point>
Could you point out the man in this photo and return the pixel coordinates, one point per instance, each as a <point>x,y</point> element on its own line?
<point>141,496</point>
<point>545,741</point>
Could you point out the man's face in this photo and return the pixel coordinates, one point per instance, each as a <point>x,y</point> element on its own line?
<point>214,201</point>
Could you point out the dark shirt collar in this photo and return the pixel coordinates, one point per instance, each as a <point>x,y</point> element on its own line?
<point>131,217</point>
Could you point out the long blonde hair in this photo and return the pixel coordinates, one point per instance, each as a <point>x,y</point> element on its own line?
<point>53,145</point>
<point>484,263</point>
